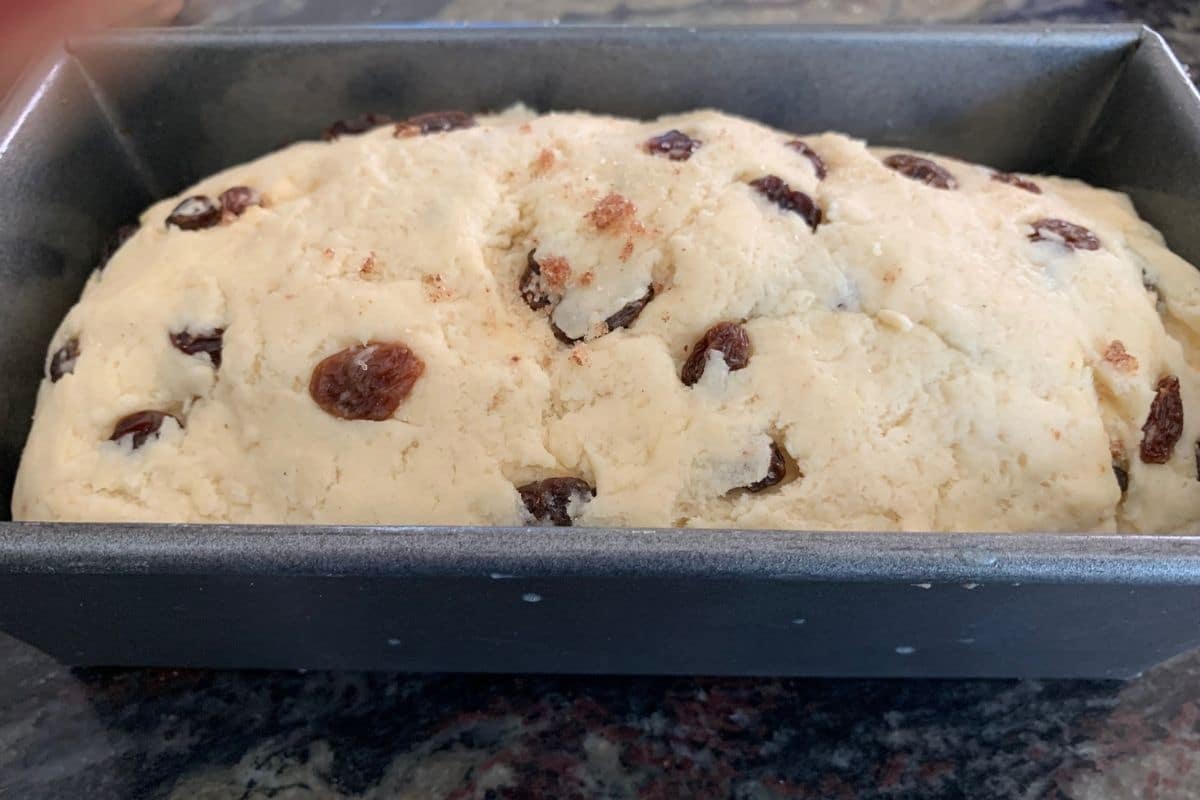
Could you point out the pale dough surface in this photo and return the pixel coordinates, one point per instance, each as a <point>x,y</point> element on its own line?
<point>925,364</point>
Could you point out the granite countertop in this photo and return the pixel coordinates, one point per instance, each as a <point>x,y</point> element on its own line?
<point>288,735</point>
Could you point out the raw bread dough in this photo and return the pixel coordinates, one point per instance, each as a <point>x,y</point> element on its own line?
<point>923,364</point>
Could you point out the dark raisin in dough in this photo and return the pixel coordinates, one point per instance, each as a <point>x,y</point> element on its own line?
<point>63,360</point>
<point>195,213</point>
<point>549,500</point>
<point>141,425</point>
<point>1164,424</point>
<point>923,170</point>
<point>1122,475</point>
<point>367,381</point>
<point>562,336</point>
<point>775,471</point>
<point>435,122</point>
<point>533,291</point>
<point>622,318</point>
<point>1017,181</point>
<point>237,199</point>
<point>774,189</point>
<point>729,339</point>
<point>355,125</point>
<point>801,147</point>
<point>1073,236</point>
<point>673,144</point>
<point>629,312</point>
<point>209,342</point>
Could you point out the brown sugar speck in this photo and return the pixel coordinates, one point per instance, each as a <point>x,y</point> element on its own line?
<point>1056,433</point>
<point>515,359</point>
<point>580,355</point>
<point>889,277</point>
<point>368,270</point>
<point>626,250</point>
<point>328,252</point>
<point>1116,355</point>
<point>555,272</point>
<point>543,162</point>
<point>613,210</point>
<point>525,127</point>
<point>586,278</point>
<point>435,289</point>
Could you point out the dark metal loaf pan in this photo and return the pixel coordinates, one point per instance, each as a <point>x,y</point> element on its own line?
<point>91,138</point>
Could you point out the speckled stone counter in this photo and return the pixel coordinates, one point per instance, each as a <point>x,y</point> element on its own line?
<point>102,734</point>
<point>189,734</point>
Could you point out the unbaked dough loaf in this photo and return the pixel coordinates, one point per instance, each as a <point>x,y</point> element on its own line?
<point>947,349</point>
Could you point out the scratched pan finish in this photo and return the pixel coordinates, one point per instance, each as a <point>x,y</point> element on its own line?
<point>91,138</point>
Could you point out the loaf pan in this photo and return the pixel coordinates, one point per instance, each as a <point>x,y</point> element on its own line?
<point>96,133</point>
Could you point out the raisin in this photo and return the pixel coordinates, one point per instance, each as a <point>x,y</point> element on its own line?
<point>531,285</point>
<point>1122,475</point>
<point>629,312</point>
<point>549,500</point>
<point>673,144</point>
<point>920,169</point>
<point>435,122</point>
<point>727,338</point>
<point>775,471</point>
<point>1073,236</point>
<point>1017,181</point>
<point>119,237</point>
<point>141,425</point>
<point>63,360</point>
<point>561,335</point>
<point>801,147</point>
<point>355,125</point>
<point>207,342</point>
<point>367,381</point>
<point>622,318</point>
<point>1164,424</point>
<point>237,199</point>
<point>774,189</point>
<point>195,213</point>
